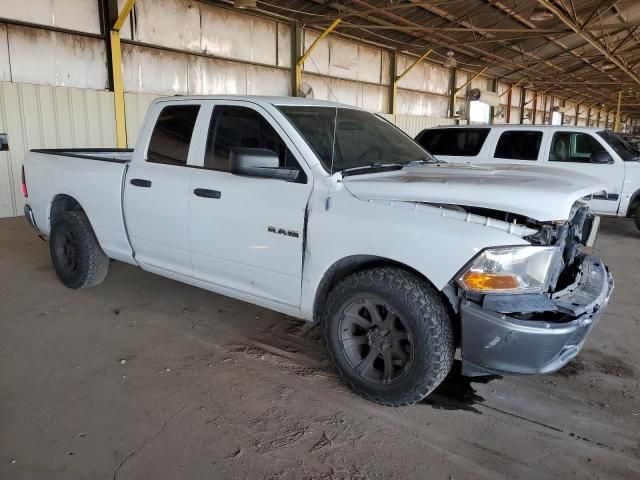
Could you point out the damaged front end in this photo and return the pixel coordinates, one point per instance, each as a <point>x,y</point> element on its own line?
<point>533,315</point>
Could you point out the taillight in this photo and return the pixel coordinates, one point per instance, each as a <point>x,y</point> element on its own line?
<point>25,192</point>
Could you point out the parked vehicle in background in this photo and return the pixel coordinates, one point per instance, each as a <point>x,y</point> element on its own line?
<point>590,151</point>
<point>632,140</point>
<point>331,214</point>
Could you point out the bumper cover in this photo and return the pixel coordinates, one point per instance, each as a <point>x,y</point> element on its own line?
<point>496,343</point>
<point>28,214</point>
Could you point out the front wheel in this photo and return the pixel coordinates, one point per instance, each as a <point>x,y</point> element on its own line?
<point>636,216</point>
<point>77,257</point>
<point>389,334</point>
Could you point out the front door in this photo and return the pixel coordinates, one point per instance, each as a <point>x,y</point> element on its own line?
<point>246,233</point>
<point>576,152</point>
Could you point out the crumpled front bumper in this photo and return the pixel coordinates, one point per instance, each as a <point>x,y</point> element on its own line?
<point>497,343</point>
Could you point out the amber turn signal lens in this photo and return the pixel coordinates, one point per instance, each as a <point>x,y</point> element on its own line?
<point>490,281</point>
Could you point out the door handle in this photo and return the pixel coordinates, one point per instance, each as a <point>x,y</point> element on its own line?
<point>139,182</point>
<point>206,193</point>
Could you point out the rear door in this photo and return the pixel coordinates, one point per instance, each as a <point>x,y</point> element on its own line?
<point>156,192</point>
<point>455,145</point>
<point>246,233</point>
<point>518,146</point>
<point>575,151</point>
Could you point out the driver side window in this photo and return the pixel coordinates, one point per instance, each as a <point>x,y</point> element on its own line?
<point>573,147</point>
<point>241,127</point>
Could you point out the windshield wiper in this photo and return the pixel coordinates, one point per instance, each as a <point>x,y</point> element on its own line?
<point>371,166</point>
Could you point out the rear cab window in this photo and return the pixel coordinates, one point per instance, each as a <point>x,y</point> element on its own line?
<point>454,142</point>
<point>171,136</point>
<point>519,145</point>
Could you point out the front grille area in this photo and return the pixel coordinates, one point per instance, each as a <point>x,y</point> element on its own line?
<point>571,237</point>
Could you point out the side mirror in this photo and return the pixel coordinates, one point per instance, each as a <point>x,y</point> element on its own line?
<point>600,158</point>
<point>260,162</point>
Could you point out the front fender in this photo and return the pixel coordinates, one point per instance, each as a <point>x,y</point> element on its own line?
<point>435,246</point>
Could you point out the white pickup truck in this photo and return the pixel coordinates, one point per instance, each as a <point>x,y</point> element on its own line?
<point>570,150</point>
<point>331,214</point>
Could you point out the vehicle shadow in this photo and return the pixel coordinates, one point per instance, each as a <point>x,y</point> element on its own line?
<point>456,392</point>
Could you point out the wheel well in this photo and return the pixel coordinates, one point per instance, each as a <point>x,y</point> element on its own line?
<point>633,204</point>
<point>62,203</point>
<point>350,265</point>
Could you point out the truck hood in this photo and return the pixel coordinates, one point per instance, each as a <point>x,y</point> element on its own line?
<point>543,194</point>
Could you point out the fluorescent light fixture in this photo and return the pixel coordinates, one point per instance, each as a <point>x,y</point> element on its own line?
<point>245,4</point>
<point>540,14</point>
<point>450,61</point>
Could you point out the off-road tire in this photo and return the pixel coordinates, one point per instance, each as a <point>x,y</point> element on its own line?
<point>426,317</point>
<point>636,216</point>
<point>77,257</point>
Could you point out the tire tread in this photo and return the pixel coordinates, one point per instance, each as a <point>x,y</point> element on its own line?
<point>96,265</point>
<point>429,310</point>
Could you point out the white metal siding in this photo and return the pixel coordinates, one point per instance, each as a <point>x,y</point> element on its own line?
<point>53,58</point>
<point>136,106</point>
<point>38,116</point>
<point>79,15</point>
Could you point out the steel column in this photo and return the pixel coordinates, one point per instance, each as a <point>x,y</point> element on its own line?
<point>535,110</point>
<point>301,60</point>
<point>452,94</point>
<point>296,53</point>
<point>118,87</point>
<point>492,110</point>
<point>470,80</point>
<point>513,85</point>
<point>393,69</point>
<point>396,80</point>
<point>616,125</point>
<point>508,116</point>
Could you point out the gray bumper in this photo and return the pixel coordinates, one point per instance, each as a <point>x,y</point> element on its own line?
<point>28,214</point>
<point>495,343</point>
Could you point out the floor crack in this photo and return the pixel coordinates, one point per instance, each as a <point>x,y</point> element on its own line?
<point>150,439</point>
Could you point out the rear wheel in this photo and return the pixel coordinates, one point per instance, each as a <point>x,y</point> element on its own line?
<point>389,335</point>
<point>77,257</point>
<point>636,216</point>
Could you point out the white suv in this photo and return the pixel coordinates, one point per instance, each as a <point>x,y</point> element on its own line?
<point>585,150</point>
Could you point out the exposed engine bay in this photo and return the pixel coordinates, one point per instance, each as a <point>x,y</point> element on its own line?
<point>569,236</point>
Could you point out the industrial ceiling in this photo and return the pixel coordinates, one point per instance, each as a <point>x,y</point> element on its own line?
<point>587,51</point>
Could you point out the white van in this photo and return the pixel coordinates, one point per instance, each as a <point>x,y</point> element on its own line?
<point>587,150</point>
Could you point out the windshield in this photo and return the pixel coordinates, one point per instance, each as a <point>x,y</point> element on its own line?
<point>361,138</point>
<point>626,150</point>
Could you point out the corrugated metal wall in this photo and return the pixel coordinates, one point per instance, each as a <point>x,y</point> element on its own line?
<point>39,116</point>
<point>136,106</point>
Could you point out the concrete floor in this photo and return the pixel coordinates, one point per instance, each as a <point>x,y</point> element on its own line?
<point>143,377</point>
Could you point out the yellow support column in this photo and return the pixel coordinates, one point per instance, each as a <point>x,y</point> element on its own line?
<point>118,87</point>
<point>471,79</point>
<point>616,125</point>
<point>301,60</point>
<point>511,87</point>
<point>396,80</point>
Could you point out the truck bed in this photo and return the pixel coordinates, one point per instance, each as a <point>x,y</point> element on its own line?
<point>94,178</point>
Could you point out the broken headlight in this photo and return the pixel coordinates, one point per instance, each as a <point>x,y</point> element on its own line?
<point>525,269</point>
